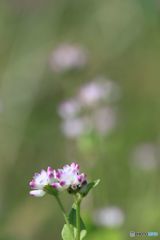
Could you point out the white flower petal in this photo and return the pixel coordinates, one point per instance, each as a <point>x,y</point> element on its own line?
<point>41,179</point>
<point>37,193</point>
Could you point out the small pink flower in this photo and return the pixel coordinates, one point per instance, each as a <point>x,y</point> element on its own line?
<point>69,177</point>
<point>40,180</point>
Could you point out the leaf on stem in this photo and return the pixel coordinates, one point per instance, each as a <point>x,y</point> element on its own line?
<point>66,231</point>
<point>87,187</point>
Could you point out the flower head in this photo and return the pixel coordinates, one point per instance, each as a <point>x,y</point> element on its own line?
<point>67,57</point>
<point>66,178</point>
<point>69,177</point>
<point>40,180</point>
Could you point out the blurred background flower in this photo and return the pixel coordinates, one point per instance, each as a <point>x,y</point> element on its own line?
<point>91,109</point>
<point>145,156</point>
<point>99,90</point>
<point>67,57</point>
<point>111,217</point>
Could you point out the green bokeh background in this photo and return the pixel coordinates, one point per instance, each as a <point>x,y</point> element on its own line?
<point>123,41</point>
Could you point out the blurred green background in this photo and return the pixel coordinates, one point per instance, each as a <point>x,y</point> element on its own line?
<point>122,38</point>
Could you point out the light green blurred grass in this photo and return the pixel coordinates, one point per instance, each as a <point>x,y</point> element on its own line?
<point>123,40</point>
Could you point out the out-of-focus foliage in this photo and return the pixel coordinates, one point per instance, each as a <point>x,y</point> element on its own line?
<point>122,40</point>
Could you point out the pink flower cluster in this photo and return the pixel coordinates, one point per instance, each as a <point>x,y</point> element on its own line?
<point>68,177</point>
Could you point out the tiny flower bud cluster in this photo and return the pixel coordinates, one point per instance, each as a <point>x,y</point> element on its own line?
<point>68,177</point>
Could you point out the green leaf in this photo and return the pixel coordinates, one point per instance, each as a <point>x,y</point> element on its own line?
<point>87,187</point>
<point>72,218</point>
<point>68,233</point>
<point>72,221</point>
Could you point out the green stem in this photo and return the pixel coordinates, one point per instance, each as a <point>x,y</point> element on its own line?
<point>64,214</point>
<point>78,203</point>
<point>62,208</point>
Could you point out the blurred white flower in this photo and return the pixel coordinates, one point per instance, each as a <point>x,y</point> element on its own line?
<point>90,109</point>
<point>67,57</point>
<point>145,156</point>
<point>91,93</point>
<point>104,120</point>
<point>99,89</point>
<point>73,128</point>
<point>109,217</point>
<point>69,108</point>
